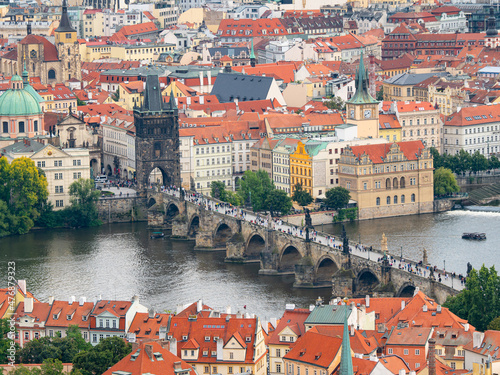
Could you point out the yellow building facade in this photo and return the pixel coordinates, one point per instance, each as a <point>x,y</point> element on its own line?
<point>301,168</point>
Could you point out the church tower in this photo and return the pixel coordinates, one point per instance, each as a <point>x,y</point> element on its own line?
<point>492,39</point>
<point>362,108</point>
<point>157,137</point>
<point>67,47</point>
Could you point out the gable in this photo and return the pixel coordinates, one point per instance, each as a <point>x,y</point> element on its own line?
<point>233,344</point>
<point>287,331</point>
<point>49,151</point>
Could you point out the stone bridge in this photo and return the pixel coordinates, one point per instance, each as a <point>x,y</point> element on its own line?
<point>312,264</point>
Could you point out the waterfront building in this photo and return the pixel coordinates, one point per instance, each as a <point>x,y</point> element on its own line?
<point>63,314</point>
<point>61,166</point>
<point>472,129</point>
<point>390,179</point>
<point>30,319</point>
<point>111,318</point>
<point>150,358</point>
<point>281,163</point>
<point>262,155</point>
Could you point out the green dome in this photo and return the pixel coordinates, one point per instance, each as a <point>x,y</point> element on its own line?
<point>18,103</point>
<point>15,77</point>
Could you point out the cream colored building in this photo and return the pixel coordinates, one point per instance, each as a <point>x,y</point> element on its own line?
<point>387,180</point>
<point>91,51</point>
<point>62,167</point>
<point>448,99</point>
<point>281,163</point>
<point>419,121</point>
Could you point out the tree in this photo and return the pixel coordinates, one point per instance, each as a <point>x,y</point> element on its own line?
<point>495,324</point>
<point>5,340</point>
<point>478,302</point>
<point>80,102</point>
<point>116,95</point>
<point>335,103</point>
<point>478,162</point>
<point>219,192</point>
<point>98,359</point>
<point>438,159</point>
<point>255,187</point>
<point>380,94</point>
<point>301,196</point>
<point>445,182</point>
<point>279,201</point>
<point>52,366</point>
<point>337,197</point>
<point>493,163</point>
<point>83,198</point>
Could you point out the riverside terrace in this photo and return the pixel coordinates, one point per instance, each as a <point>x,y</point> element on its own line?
<point>283,249</point>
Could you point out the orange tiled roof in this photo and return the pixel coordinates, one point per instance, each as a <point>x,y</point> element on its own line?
<point>314,348</point>
<point>294,319</point>
<point>39,314</point>
<point>388,121</point>
<point>69,314</point>
<point>117,308</point>
<point>377,153</point>
<point>474,115</point>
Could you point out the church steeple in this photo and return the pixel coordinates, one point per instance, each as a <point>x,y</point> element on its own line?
<point>25,73</point>
<point>65,32</point>
<point>362,96</point>
<point>345,356</point>
<point>492,24</point>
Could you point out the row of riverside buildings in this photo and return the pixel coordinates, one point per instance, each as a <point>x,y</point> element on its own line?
<point>407,335</point>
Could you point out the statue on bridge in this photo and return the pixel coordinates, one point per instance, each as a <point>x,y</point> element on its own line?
<point>308,223</point>
<point>345,247</point>
<point>425,261</point>
<point>469,269</point>
<point>383,243</point>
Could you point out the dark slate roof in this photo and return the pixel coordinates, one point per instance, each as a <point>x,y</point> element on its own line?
<point>65,24</point>
<point>152,94</point>
<point>228,51</point>
<point>230,86</point>
<point>26,146</point>
<point>405,79</point>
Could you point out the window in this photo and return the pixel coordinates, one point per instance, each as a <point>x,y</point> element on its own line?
<point>365,186</point>
<point>40,164</point>
<point>5,127</point>
<point>214,370</point>
<point>77,175</point>
<point>230,370</point>
<point>389,351</point>
<point>413,197</point>
<point>94,337</point>
<point>26,335</point>
<point>388,200</point>
<point>402,198</point>
<point>453,365</point>
<point>395,199</point>
<point>378,201</point>
<point>206,369</point>
<point>278,352</point>
<point>21,127</point>
<point>417,365</point>
<point>77,162</point>
<point>417,351</point>
<point>59,203</point>
<point>58,176</point>
<point>59,189</point>
<point>405,352</point>
<point>114,323</point>
<point>278,367</point>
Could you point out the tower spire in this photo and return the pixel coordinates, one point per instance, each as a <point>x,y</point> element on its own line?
<point>252,56</point>
<point>345,357</point>
<point>172,99</point>
<point>65,23</point>
<point>25,72</point>
<point>362,96</point>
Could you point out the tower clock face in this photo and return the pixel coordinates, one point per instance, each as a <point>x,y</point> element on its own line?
<point>368,113</point>
<point>33,54</point>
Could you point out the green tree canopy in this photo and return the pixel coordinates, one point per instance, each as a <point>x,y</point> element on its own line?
<point>278,201</point>
<point>219,192</point>
<point>478,162</point>
<point>101,357</point>
<point>495,324</point>
<point>494,162</point>
<point>337,197</point>
<point>479,302</point>
<point>445,182</point>
<point>301,196</point>
<point>255,187</point>
<point>335,103</point>
<point>4,339</point>
<point>83,199</point>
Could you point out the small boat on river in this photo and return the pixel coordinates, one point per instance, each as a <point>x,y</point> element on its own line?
<point>157,235</point>
<point>474,236</point>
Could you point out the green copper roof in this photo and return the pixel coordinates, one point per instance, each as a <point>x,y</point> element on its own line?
<point>252,53</point>
<point>328,314</point>
<point>362,96</point>
<point>345,356</point>
<point>32,91</point>
<point>18,102</point>
<point>16,78</point>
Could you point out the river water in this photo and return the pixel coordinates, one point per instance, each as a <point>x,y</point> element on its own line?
<point>120,260</point>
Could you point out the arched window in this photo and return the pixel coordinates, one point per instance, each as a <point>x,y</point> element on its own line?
<point>51,74</point>
<point>388,200</point>
<point>378,201</point>
<point>388,183</point>
<point>21,127</point>
<point>35,125</point>
<point>69,53</point>
<point>402,183</point>
<point>403,198</point>
<point>69,66</point>
<point>395,183</point>
<point>413,197</point>
<point>395,199</point>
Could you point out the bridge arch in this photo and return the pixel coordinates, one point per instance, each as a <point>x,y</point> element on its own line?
<point>151,202</point>
<point>194,225</point>
<point>289,257</point>
<point>171,211</point>
<point>255,245</point>
<point>325,268</point>
<point>222,233</point>
<point>406,290</point>
<point>366,281</point>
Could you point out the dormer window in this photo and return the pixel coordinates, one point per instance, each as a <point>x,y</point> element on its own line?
<point>207,338</point>
<point>248,338</point>
<point>68,317</point>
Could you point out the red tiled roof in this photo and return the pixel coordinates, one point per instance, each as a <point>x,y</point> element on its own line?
<point>359,343</point>
<point>411,106</point>
<point>294,319</point>
<point>377,153</point>
<point>150,358</point>
<point>474,115</point>
<point>415,336</point>
<point>315,348</point>
<point>117,308</point>
<point>39,313</point>
<point>49,50</point>
<point>77,314</point>
<point>140,28</point>
<point>268,27</point>
<point>388,122</point>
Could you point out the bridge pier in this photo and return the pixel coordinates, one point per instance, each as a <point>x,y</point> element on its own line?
<point>180,228</point>
<point>304,276</point>
<point>269,263</point>
<point>342,283</point>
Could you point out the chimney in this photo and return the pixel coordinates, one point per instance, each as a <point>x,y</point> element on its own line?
<point>202,99</point>
<point>228,309</point>
<point>432,356</point>
<point>199,306</point>
<point>22,285</point>
<point>201,82</point>
<point>236,103</point>
<point>403,304</point>
<point>402,372</point>
<point>51,300</point>
<point>311,307</point>
<point>352,330</point>
<point>28,305</point>
<point>148,348</point>
<point>151,313</point>
<point>82,300</point>
<point>177,366</point>
<point>367,301</point>
<point>438,309</point>
<point>135,346</point>
<point>71,300</point>
<point>417,289</point>
<point>477,339</point>
<point>162,333</point>
<point>173,346</point>
<point>466,327</point>
<point>209,80</point>
<point>424,308</point>
<point>188,101</point>
<point>220,345</point>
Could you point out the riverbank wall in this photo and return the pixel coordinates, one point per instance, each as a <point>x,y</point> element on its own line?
<point>469,183</point>
<point>122,210</point>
